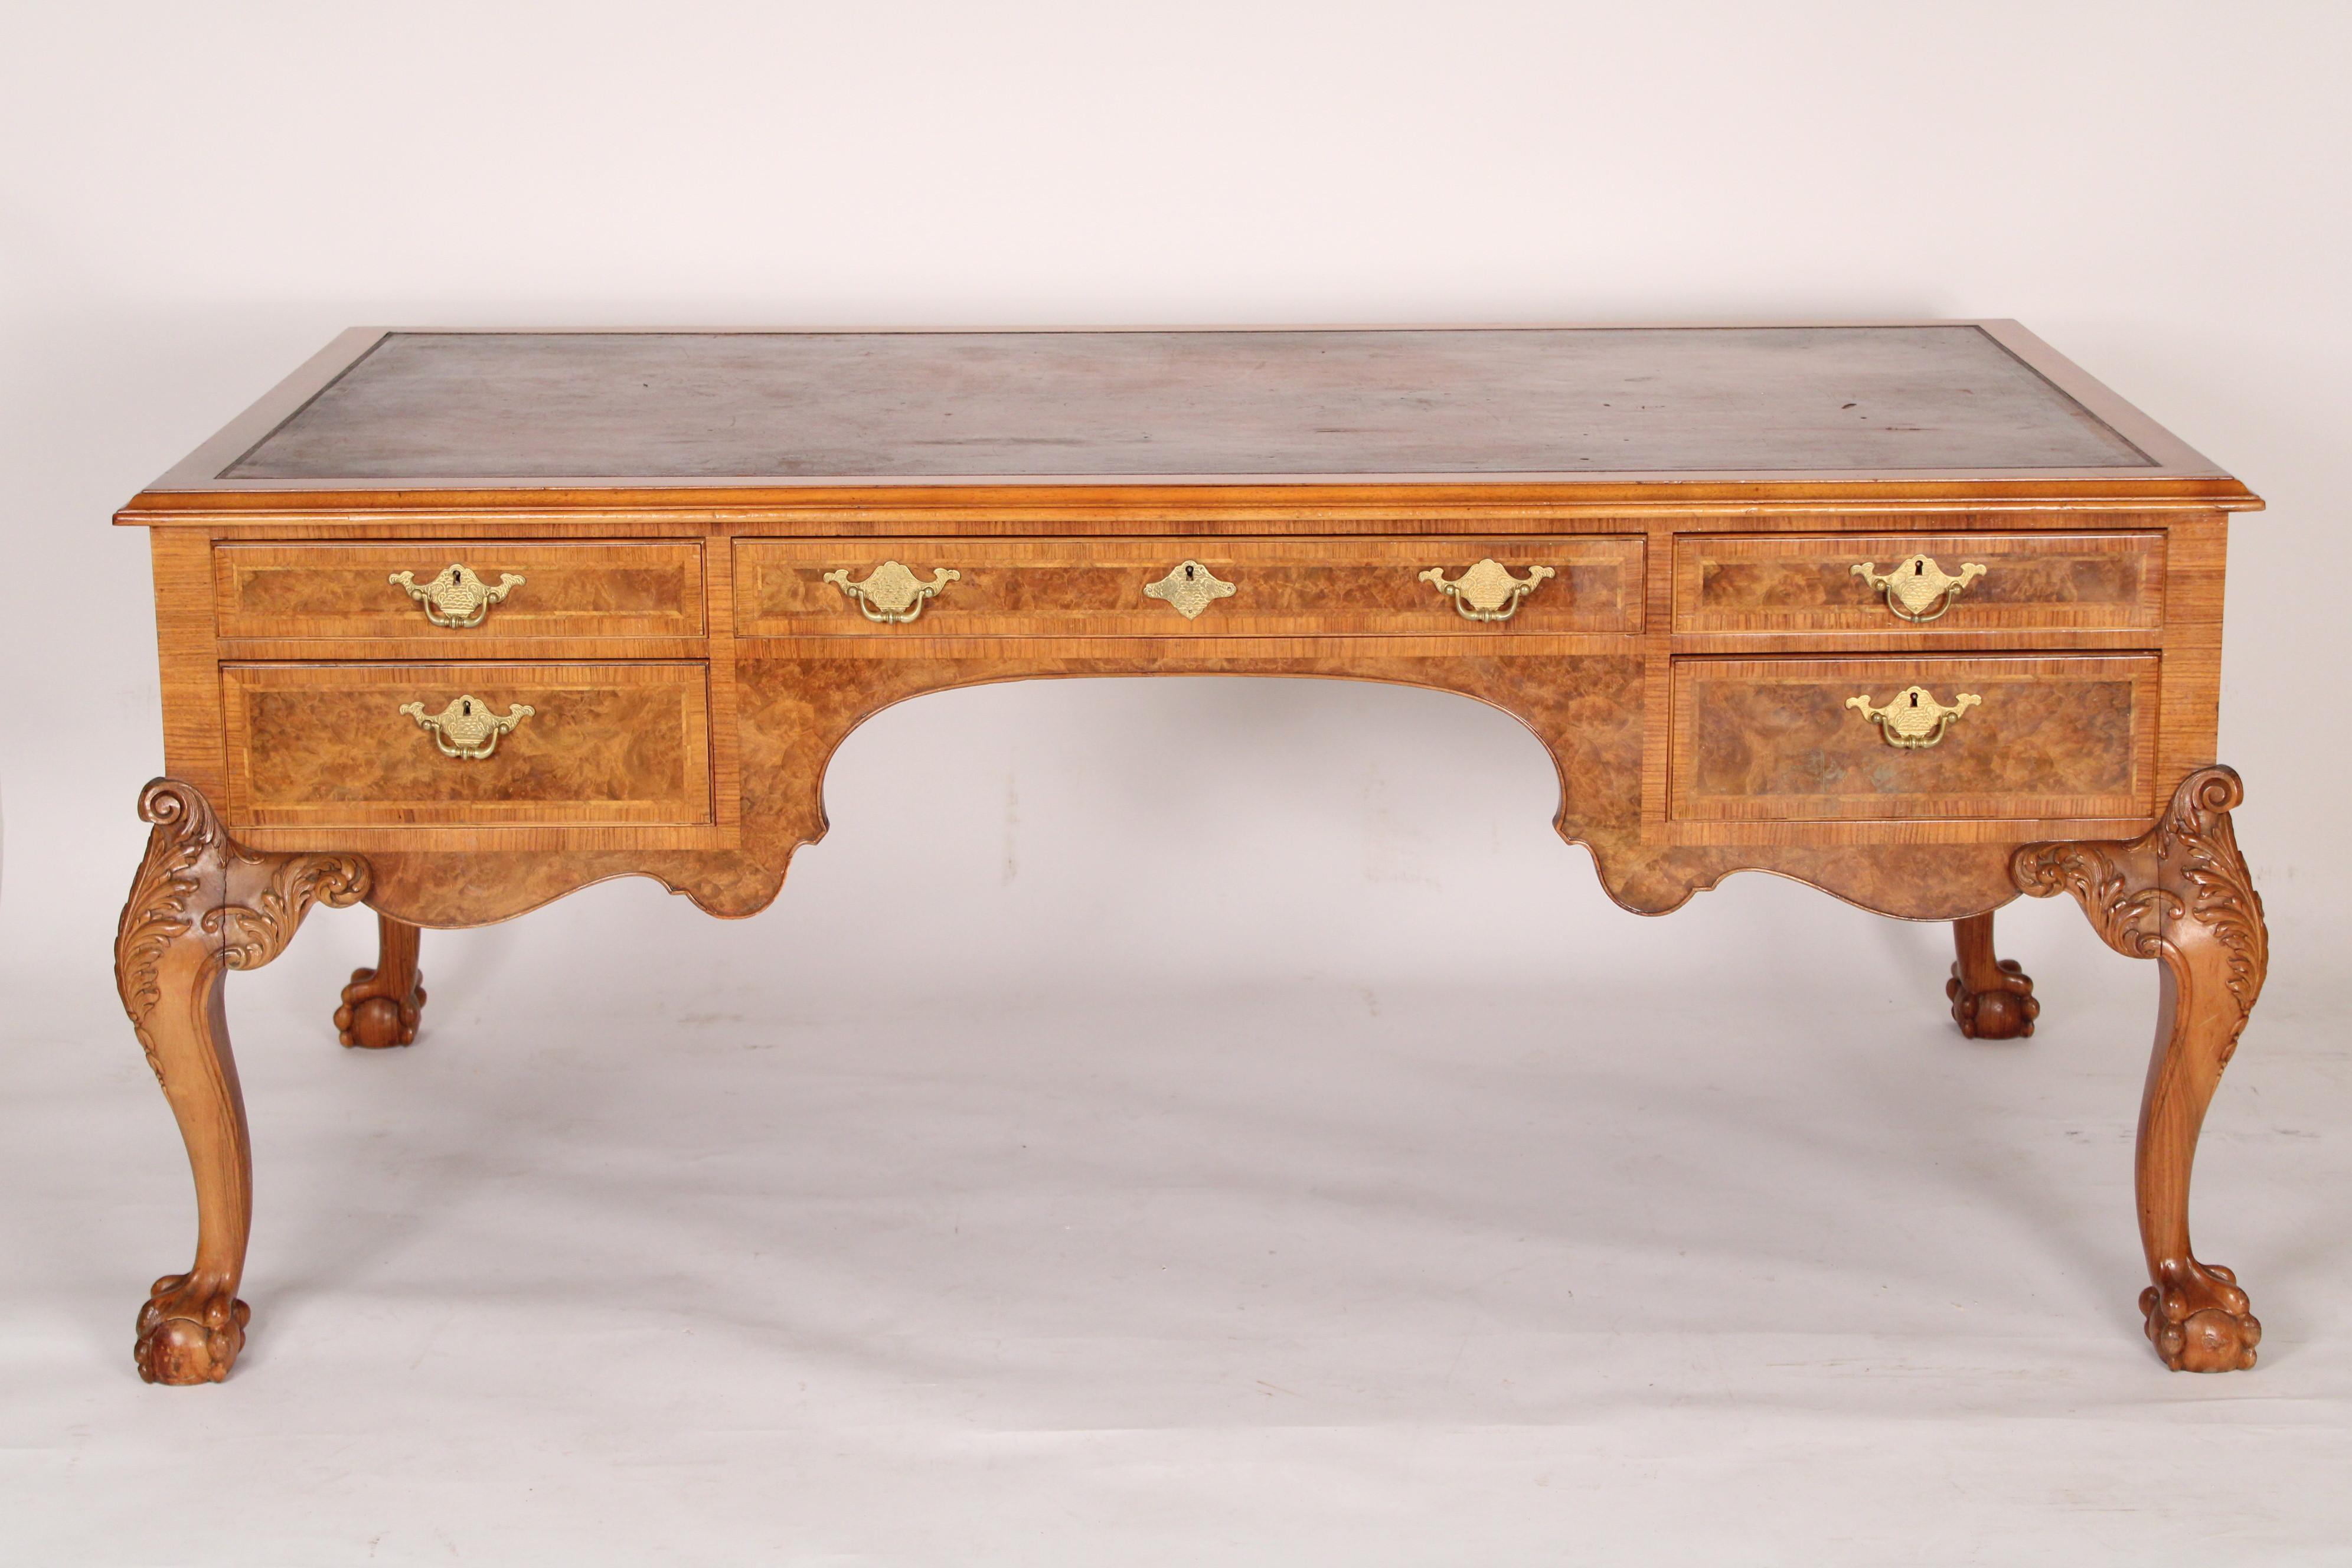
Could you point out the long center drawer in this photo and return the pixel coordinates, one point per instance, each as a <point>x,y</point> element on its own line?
<point>1259,587</point>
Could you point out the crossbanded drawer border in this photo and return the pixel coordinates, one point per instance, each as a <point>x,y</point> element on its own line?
<point>1945,674</point>
<point>428,681</point>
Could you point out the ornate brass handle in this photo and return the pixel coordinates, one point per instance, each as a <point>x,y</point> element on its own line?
<point>466,728</point>
<point>1919,583</point>
<point>456,597</point>
<point>892,595</point>
<point>1189,588</point>
<point>1487,591</point>
<point>1913,719</point>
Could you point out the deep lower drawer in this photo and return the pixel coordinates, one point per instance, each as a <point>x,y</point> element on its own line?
<point>1782,739</point>
<point>458,590</point>
<point>417,744</point>
<point>1143,587</point>
<point>1929,582</point>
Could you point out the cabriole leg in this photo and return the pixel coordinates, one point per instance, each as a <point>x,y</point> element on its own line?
<point>382,1005</point>
<point>1991,997</point>
<point>2181,896</point>
<point>200,907</point>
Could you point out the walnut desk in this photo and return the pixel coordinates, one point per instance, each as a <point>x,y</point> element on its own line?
<point>454,622</point>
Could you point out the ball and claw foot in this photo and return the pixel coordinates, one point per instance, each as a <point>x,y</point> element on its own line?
<point>374,1018</point>
<point>382,1005</point>
<point>2004,1011</point>
<point>188,1333</point>
<point>2198,1320</point>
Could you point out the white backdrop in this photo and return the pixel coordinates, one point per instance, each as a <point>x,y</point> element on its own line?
<point>193,199</point>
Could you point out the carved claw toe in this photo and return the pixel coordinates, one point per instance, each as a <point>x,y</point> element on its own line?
<point>2198,1319</point>
<point>2003,1012</point>
<point>189,1332</point>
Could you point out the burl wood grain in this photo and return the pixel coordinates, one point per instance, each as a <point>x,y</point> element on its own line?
<point>1094,587</point>
<point>326,745</point>
<point>1773,739</point>
<point>1767,584</point>
<point>344,591</point>
<point>799,700</point>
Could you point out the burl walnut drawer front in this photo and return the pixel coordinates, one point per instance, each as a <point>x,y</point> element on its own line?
<point>1944,582</point>
<point>459,591</point>
<point>1786,739</point>
<point>1143,587</point>
<point>375,745</point>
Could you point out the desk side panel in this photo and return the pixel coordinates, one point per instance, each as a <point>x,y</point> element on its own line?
<point>2195,571</point>
<point>193,743</point>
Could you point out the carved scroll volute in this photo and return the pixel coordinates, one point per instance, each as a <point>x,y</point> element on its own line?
<point>2180,895</point>
<point>199,906</point>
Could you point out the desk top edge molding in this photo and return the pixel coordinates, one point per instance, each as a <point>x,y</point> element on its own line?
<point>193,491</point>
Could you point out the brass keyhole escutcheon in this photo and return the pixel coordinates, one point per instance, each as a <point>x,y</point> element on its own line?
<point>467,728</point>
<point>1189,588</point>
<point>456,597</point>
<point>1919,589</point>
<point>1914,720</point>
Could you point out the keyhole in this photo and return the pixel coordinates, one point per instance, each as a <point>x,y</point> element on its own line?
<point>468,708</point>
<point>1915,699</point>
<point>1918,568</point>
<point>1188,573</point>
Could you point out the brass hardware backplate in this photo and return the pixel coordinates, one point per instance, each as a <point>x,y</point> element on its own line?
<point>1911,719</point>
<point>892,595</point>
<point>1487,591</point>
<point>1189,589</point>
<point>467,728</point>
<point>454,597</point>
<point>1917,585</point>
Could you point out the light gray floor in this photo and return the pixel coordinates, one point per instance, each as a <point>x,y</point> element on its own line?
<point>1757,1263</point>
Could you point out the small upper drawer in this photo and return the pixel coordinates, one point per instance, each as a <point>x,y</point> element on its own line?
<point>1786,739</point>
<point>1943,582</point>
<point>1196,588</point>
<point>459,591</point>
<point>474,745</point>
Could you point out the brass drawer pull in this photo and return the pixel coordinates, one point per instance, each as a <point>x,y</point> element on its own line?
<point>1919,583</point>
<point>1189,588</point>
<point>892,595</point>
<point>1487,591</point>
<point>466,728</point>
<point>456,597</point>
<point>1913,719</point>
